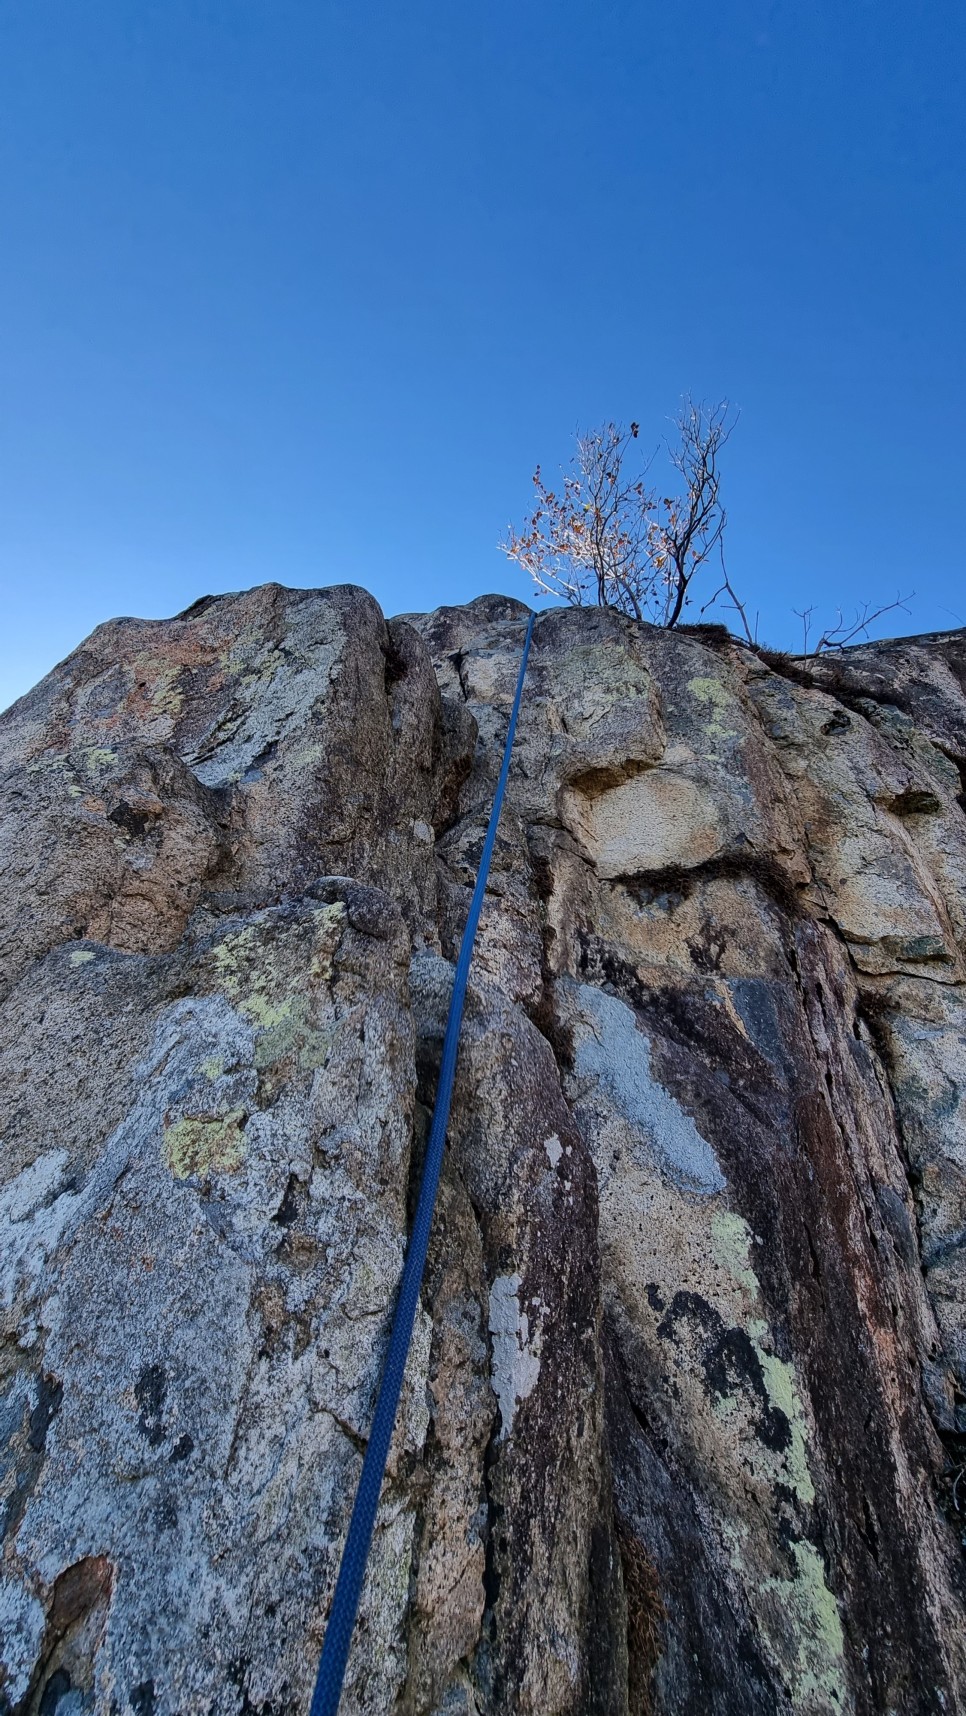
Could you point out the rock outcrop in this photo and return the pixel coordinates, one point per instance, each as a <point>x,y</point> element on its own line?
<point>684,1424</point>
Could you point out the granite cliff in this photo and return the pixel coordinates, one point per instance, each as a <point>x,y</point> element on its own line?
<point>685,1417</point>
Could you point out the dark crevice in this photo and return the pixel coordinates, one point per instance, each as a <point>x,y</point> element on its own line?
<point>237,1673</point>
<point>831,676</point>
<point>258,762</point>
<point>395,664</point>
<point>491,1572</point>
<point>492,1576</point>
<point>814,1264</point>
<point>135,823</point>
<point>868,1530</point>
<point>914,801</point>
<point>959,763</point>
<point>874,1008</point>
<point>50,1393</point>
<point>952,1480</point>
<point>457,659</point>
<point>149,1392</point>
<point>543,1014</point>
<point>646,1615</point>
<point>290,1207</point>
<point>646,886</point>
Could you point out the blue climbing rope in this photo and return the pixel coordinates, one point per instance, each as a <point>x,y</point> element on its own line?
<point>345,1603</point>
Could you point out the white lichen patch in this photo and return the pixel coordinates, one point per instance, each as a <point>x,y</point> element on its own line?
<point>554,1149</point>
<point>34,1209</point>
<point>515,1358</point>
<point>612,1052</point>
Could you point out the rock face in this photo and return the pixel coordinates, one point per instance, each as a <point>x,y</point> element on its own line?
<point>684,1424</point>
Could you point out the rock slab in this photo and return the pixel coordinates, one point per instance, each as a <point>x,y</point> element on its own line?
<point>684,1423</point>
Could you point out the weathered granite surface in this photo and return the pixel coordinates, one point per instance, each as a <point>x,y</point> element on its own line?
<point>685,1417</point>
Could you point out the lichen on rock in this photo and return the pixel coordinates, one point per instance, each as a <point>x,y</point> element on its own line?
<point>683,1427</point>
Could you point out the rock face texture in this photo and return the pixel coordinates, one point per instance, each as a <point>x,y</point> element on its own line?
<point>684,1425</point>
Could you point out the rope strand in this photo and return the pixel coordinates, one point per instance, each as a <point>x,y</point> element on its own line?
<point>345,1603</point>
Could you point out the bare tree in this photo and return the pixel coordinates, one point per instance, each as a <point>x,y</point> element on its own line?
<point>845,631</point>
<point>693,525</point>
<point>607,537</point>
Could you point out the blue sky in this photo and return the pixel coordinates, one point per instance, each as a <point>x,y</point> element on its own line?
<point>303,291</point>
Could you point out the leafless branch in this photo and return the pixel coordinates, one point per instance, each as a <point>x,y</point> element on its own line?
<point>725,588</point>
<point>805,615</point>
<point>845,631</point>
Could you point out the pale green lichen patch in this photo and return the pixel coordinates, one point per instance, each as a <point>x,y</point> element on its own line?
<point>799,1617</point>
<point>719,707</point>
<point>290,1032</point>
<point>278,993</point>
<point>798,1614</point>
<point>306,756</point>
<point>233,955</point>
<point>82,956</point>
<point>262,673</point>
<point>782,1394</point>
<point>818,1669</point>
<point>731,1241</point>
<point>266,1015</point>
<point>98,759</point>
<point>201,1144</point>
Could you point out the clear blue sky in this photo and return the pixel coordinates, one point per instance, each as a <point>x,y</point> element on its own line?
<point>302,291</point>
